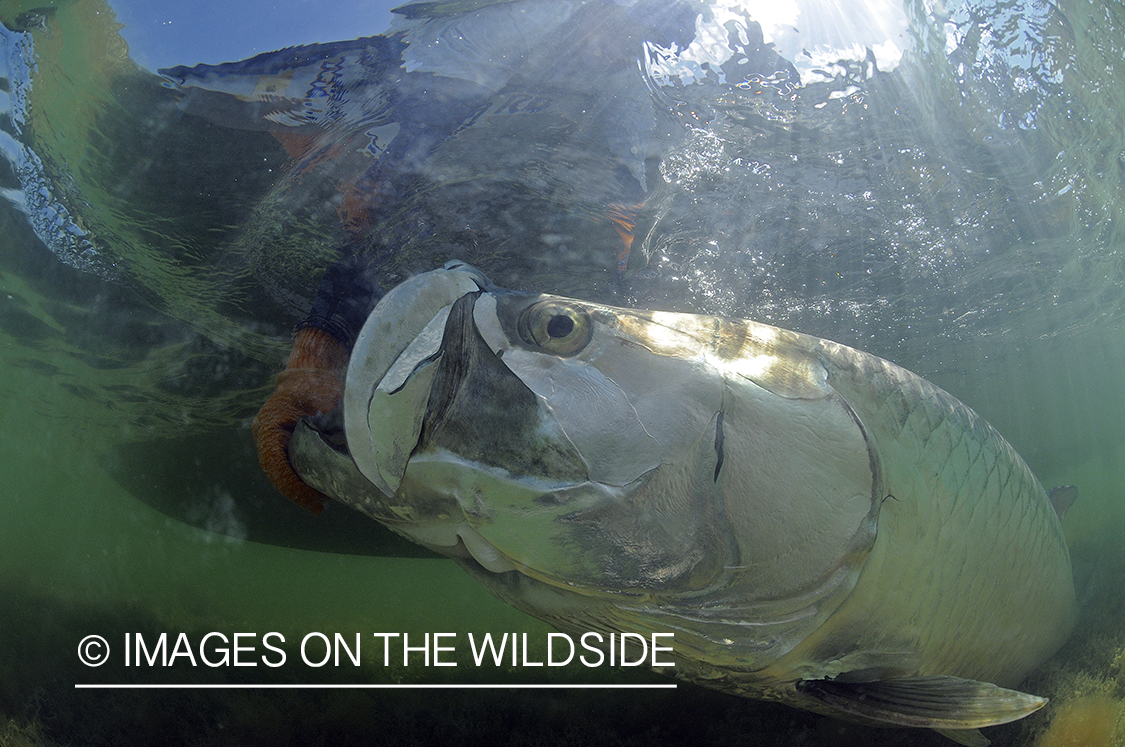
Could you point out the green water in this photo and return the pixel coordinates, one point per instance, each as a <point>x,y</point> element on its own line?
<point>183,342</point>
<point>79,555</point>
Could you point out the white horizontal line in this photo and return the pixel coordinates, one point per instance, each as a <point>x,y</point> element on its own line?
<point>176,686</point>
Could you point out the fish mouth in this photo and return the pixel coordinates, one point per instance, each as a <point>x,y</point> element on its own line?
<point>387,384</point>
<point>461,349</point>
<point>485,415</point>
<point>452,439</point>
<point>483,447</point>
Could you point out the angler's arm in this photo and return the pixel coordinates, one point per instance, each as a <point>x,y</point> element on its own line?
<point>313,379</point>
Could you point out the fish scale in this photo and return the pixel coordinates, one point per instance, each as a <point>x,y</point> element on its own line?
<point>979,482</point>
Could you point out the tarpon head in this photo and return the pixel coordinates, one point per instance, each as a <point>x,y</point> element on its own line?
<point>689,472</point>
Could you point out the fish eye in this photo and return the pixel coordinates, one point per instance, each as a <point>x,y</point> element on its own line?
<point>556,327</point>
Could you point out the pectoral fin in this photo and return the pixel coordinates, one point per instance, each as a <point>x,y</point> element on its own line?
<point>939,702</point>
<point>1062,498</point>
<point>967,737</point>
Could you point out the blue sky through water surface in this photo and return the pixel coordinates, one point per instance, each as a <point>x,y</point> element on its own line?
<point>163,34</point>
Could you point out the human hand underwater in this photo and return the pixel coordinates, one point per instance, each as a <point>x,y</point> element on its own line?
<point>312,383</point>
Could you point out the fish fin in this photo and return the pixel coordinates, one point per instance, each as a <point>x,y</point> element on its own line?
<point>967,737</point>
<point>937,702</point>
<point>1062,498</point>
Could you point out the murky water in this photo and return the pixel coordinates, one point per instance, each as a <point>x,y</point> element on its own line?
<point>939,184</point>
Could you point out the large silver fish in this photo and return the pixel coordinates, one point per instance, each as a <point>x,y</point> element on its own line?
<point>815,525</point>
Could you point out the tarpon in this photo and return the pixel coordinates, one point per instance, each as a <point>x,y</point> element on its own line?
<point>814,524</point>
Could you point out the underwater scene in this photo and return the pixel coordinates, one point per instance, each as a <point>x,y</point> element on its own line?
<point>939,183</point>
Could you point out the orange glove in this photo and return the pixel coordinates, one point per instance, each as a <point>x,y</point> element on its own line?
<point>311,383</point>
